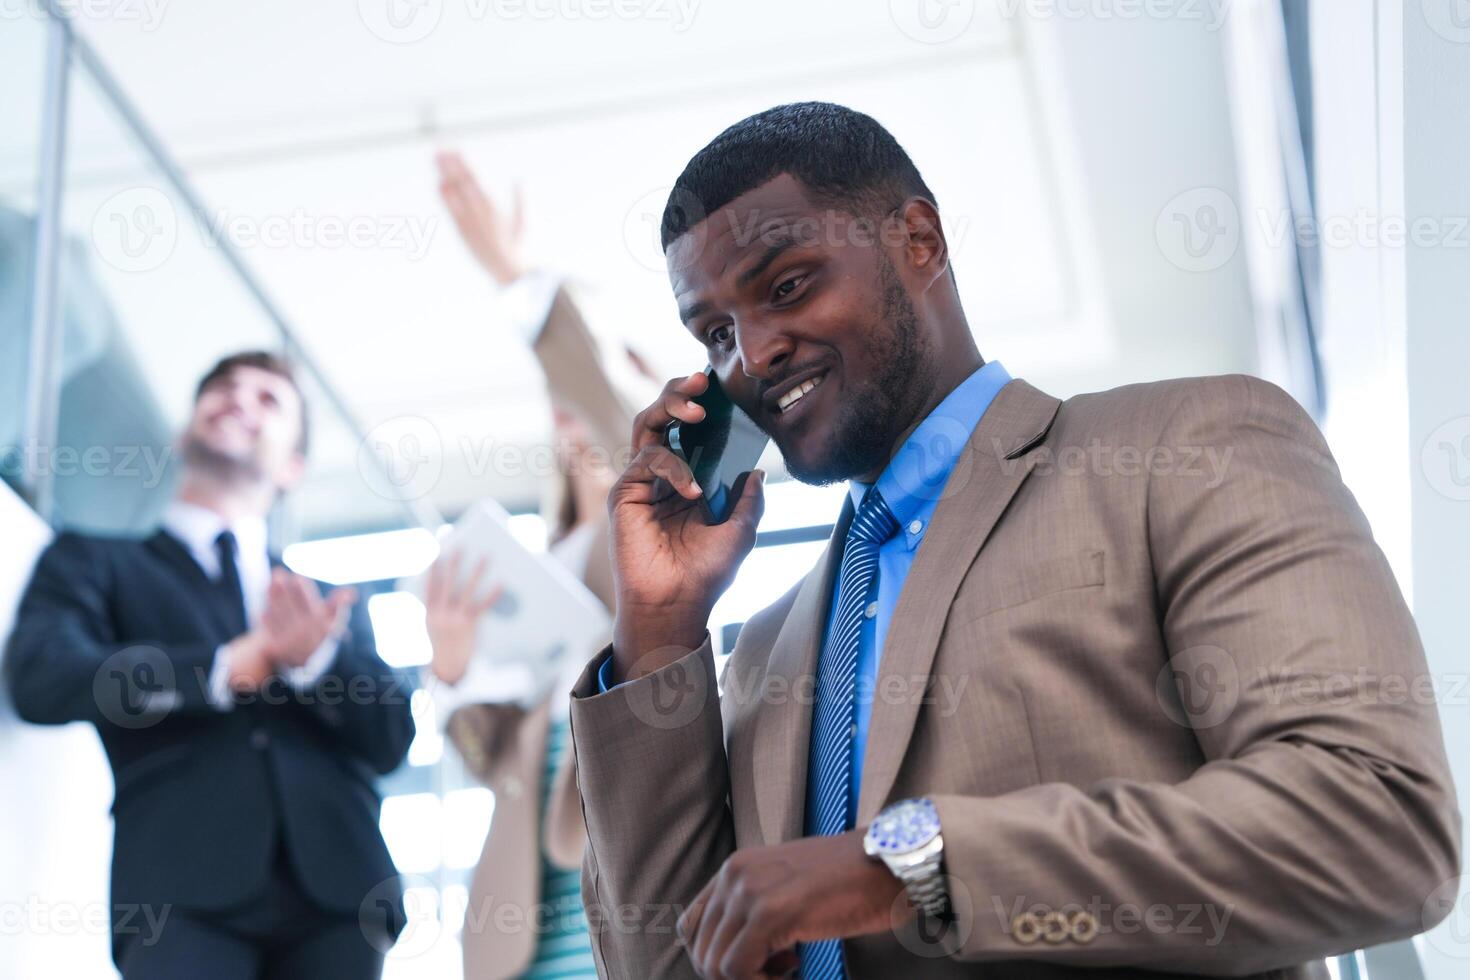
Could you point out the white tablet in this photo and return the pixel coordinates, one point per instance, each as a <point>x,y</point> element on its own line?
<point>545,613</point>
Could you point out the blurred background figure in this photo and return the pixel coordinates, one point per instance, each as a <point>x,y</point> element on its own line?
<point>520,747</point>
<point>245,717</point>
<point>1131,191</point>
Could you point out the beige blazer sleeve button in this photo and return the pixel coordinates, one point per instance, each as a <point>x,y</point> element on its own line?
<point>1083,927</point>
<point>1055,928</point>
<point>1026,928</point>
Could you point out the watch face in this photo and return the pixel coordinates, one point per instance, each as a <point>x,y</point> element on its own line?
<point>903,827</point>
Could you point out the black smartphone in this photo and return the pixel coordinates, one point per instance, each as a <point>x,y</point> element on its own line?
<point>721,450</point>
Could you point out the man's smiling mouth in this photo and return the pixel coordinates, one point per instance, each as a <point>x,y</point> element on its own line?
<point>796,394</point>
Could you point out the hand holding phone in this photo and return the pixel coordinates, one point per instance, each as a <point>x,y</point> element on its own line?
<point>670,563</point>
<point>721,449</point>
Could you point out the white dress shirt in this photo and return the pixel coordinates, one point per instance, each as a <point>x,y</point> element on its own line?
<point>197,529</point>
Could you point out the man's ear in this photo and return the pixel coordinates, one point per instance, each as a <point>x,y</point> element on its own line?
<point>291,472</point>
<point>925,246</point>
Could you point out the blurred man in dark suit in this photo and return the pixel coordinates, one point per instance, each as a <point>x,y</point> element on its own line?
<point>245,714</point>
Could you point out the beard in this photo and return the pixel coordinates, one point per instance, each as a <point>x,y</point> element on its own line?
<point>200,455</point>
<point>875,414</point>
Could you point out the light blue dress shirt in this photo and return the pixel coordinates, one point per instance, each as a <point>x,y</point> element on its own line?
<point>912,486</point>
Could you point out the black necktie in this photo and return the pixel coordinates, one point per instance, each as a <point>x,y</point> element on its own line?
<point>232,597</point>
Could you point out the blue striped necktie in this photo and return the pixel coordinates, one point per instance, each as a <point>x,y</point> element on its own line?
<point>829,809</point>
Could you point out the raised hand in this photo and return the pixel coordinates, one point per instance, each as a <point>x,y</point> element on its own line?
<point>454,609</point>
<point>493,237</point>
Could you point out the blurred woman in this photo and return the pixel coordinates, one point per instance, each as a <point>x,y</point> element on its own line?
<point>525,915</point>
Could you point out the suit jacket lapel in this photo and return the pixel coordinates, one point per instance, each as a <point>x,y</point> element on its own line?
<point>989,472</point>
<point>783,727</point>
<point>174,554</point>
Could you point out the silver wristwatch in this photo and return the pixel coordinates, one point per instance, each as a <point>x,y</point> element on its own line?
<point>906,837</point>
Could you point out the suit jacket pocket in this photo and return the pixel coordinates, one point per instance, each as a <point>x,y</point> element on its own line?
<point>1015,586</point>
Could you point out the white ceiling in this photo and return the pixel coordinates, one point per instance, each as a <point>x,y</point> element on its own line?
<point>1052,145</point>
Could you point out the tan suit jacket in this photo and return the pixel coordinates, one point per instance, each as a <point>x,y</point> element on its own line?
<point>1150,667</point>
<point>504,745</point>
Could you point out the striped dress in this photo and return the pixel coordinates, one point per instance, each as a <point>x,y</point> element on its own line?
<point>564,948</point>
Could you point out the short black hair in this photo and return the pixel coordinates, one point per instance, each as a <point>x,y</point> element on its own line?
<point>844,157</point>
<point>263,360</point>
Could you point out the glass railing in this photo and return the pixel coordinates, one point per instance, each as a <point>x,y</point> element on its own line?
<point>147,296</point>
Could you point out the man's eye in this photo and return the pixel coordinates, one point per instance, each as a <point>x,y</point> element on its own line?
<point>788,286</point>
<point>719,336</point>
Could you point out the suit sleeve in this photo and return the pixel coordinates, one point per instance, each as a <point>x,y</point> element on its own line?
<point>361,702</point>
<point>64,662</point>
<point>1318,824</point>
<point>577,377</point>
<point>654,781</point>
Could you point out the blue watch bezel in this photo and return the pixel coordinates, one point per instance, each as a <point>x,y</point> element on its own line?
<point>904,826</point>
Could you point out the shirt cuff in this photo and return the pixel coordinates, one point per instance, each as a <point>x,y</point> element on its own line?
<point>303,677</point>
<point>526,303</point>
<point>218,691</point>
<point>483,684</point>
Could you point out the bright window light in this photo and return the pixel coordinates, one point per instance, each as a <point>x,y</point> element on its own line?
<point>364,557</point>
<point>398,627</point>
<point>529,530</point>
<point>790,503</point>
<point>764,578</point>
<point>467,814</point>
<point>411,825</point>
<point>427,746</point>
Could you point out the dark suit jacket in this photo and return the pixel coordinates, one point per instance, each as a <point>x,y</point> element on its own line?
<point>122,633</point>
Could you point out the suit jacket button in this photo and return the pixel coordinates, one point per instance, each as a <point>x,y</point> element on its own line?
<point>1026,928</point>
<point>1054,927</point>
<point>260,738</point>
<point>1083,927</point>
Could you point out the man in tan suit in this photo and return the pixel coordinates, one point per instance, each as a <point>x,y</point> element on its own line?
<point>1145,701</point>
